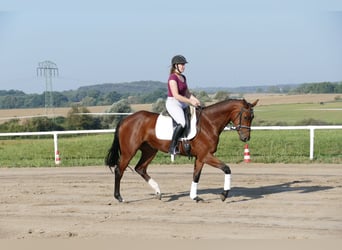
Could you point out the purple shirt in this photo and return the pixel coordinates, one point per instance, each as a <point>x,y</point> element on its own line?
<point>182,86</point>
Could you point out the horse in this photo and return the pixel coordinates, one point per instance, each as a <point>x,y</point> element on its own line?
<point>137,132</point>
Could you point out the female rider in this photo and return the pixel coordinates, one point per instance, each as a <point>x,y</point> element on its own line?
<point>178,98</point>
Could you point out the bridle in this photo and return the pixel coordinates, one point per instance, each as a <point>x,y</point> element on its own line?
<point>239,116</point>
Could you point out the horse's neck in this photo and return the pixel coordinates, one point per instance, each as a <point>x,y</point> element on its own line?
<point>220,114</point>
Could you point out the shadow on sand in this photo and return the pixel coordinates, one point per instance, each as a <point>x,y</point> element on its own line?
<point>252,193</point>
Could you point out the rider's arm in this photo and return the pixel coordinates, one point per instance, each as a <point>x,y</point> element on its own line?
<point>189,98</point>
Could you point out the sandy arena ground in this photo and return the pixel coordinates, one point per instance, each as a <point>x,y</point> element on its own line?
<point>266,202</point>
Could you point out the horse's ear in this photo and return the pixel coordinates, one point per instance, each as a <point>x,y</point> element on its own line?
<point>255,102</point>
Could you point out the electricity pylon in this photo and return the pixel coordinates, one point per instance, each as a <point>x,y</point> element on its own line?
<point>48,70</point>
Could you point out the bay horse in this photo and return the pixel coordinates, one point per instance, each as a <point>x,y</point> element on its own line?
<point>137,132</point>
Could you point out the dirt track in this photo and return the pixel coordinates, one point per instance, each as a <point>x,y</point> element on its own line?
<point>266,201</point>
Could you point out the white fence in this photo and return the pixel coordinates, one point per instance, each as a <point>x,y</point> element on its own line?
<point>56,133</point>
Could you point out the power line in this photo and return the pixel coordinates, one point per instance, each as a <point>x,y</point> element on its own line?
<point>48,70</point>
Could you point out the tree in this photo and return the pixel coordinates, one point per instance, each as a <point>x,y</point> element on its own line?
<point>221,95</point>
<point>37,124</point>
<point>159,105</point>
<point>203,97</point>
<point>78,120</point>
<point>59,100</point>
<point>111,97</point>
<point>121,106</point>
<point>12,125</point>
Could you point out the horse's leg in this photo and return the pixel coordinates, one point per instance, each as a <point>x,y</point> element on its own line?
<point>119,171</point>
<point>118,176</point>
<point>147,155</point>
<point>227,179</point>
<point>196,177</point>
<point>213,161</point>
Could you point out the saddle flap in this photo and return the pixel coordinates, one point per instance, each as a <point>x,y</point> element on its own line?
<point>164,126</point>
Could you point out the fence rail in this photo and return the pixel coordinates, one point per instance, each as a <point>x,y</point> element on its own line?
<point>56,133</point>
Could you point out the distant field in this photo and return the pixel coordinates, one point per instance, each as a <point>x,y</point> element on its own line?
<point>7,114</point>
<point>270,99</point>
<point>294,114</point>
<point>271,107</point>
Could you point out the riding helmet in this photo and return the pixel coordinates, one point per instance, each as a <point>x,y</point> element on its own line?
<point>178,59</point>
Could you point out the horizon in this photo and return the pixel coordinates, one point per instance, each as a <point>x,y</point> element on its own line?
<point>205,88</point>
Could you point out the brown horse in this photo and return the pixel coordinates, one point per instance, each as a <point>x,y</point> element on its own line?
<point>137,132</point>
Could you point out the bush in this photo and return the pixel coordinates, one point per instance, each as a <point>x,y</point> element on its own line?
<point>78,120</point>
<point>221,95</point>
<point>110,121</point>
<point>158,106</point>
<point>310,121</point>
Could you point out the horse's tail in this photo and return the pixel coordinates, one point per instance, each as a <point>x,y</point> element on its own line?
<point>113,155</point>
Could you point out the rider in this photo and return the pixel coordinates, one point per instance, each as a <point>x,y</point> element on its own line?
<point>178,98</point>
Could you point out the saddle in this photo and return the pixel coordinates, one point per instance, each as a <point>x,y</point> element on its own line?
<point>165,125</point>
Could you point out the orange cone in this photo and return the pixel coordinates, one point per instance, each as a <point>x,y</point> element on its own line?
<point>57,158</point>
<point>246,156</point>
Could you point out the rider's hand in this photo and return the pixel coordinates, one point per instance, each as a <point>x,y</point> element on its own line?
<point>194,101</point>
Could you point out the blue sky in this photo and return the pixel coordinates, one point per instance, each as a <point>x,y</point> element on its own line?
<point>227,43</point>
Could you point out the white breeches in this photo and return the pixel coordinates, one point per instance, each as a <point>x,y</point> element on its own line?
<point>175,109</point>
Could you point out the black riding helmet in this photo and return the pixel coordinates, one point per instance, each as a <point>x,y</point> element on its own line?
<point>178,59</point>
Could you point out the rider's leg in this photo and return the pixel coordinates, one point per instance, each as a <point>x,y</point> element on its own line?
<point>175,109</point>
<point>177,132</point>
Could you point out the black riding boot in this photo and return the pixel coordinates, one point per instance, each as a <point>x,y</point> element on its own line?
<point>177,132</point>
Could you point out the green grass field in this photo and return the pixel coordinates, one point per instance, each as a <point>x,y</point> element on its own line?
<point>285,146</point>
<point>289,146</point>
<point>294,114</point>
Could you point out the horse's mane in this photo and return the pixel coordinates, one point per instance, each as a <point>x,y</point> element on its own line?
<point>226,101</point>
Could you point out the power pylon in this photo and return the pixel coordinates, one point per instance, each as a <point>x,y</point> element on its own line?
<point>48,70</point>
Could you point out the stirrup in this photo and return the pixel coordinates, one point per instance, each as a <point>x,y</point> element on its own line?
<point>172,154</point>
<point>174,151</point>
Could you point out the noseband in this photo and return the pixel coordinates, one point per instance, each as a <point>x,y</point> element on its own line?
<point>239,115</point>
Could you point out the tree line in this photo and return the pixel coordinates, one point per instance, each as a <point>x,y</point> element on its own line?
<point>134,92</point>
<point>80,118</point>
<point>14,99</point>
<point>319,88</point>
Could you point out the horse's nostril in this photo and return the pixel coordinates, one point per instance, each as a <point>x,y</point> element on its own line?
<point>244,138</point>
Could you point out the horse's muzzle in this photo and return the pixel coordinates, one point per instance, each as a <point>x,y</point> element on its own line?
<point>244,137</point>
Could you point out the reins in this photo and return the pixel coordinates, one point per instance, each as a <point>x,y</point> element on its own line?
<point>239,115</point>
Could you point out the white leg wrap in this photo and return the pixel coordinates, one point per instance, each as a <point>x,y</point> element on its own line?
<point>227,178</point>
<point>193,190</point>
<point>154,185</point>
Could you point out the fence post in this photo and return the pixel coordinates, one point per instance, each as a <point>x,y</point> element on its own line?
<point>55,143</point>
<point>312,142</point>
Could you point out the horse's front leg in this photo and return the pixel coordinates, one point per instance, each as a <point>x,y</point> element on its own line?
<point>213,161</point>
<point>196,176</point>
<point>227,179</point>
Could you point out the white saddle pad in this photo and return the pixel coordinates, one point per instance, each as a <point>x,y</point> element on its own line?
<point>164,126</point>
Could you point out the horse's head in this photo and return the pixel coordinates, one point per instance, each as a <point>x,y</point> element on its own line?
<point>242,119</point>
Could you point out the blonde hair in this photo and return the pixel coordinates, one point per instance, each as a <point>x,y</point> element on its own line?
<point>173,69</point>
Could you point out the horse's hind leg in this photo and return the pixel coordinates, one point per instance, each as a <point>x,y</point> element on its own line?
<point>119,171</point>
<point>147,155</point>
<point>118,176</point>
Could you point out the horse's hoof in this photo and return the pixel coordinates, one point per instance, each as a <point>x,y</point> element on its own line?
<point>158,196</point>
<point>224,195</point>
<point>198,199</point>
<point>119,198</point>
<point>223,198</point>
